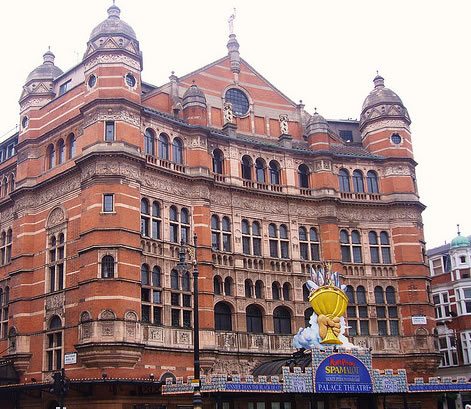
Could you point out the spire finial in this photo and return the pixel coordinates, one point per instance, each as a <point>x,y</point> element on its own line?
<point>231,22</point>
<point>315,110</point>
<point>458,227</point>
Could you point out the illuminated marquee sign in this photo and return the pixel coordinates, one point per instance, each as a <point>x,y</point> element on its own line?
<point>343,373</point>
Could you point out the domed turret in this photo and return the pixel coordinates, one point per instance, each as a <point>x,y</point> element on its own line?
<point>316,123</point>
<point>113,25</point>
<point>318,132</point>
<point>382,102</point>
<point>460,241</point>
<point>113,34</point>
<point>46,71</point>
<point>38,88</point>
<point>193,96</point>
<point>194,106</point>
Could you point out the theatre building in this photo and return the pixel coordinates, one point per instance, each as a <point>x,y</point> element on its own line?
<point>108,175</point>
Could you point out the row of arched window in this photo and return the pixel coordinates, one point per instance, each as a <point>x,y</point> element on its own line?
<point>58,153</point>
<point>385,308</point>
<point>162,147</point>
<point>6,239</point>
<point>358,180</point>
<point>151,221</point>
<point>7,184</point>
<point>262,172</point>
<point>351,247</point>
<point>254,316</point>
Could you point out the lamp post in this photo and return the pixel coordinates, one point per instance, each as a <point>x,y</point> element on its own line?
<point>182,267</point>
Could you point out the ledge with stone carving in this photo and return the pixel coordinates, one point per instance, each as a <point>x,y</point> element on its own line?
<point>109,354</point>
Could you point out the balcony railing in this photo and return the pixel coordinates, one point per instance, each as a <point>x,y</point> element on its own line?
<point>163,163</point>
<point>360,196</point>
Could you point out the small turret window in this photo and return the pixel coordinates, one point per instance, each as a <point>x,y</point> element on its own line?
<point>130,80</point>
<point>239,101</point>
<point>91,81</point>
<point>25,122</point>
<point>396,138</point>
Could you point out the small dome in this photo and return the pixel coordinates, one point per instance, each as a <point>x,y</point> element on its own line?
<point>382,102</point>
<point>380,95</point>
<point>194,96</point>
<point>113,25</point>
<point>460,241</point>
<point>47,70</point>
<point>316,123</point>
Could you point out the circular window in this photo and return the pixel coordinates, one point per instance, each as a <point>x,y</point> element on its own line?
<point>396,138</point>
<point>130,80</point>
<point>239,101</point>
<point>91,81</point>
<point>25,122</point>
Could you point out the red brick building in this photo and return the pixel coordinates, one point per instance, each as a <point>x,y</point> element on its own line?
<point>108,174</point>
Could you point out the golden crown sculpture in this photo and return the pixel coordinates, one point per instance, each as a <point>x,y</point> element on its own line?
<point>328,301</point>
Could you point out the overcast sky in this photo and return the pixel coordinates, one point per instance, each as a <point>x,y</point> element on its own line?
<point>323,52</point>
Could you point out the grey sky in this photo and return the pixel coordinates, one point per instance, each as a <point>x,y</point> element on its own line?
<point>323,52</point>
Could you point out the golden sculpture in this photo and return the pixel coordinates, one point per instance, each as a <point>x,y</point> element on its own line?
<point>329,302</point>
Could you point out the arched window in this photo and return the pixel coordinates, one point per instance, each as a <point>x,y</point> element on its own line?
<point>215,232</point>
<point>275,290</point>
<point>163,146</point>
<point>145,278</point>
<point>386,313</point>
<point>218,162</point>
<point>145,218</point>
<point>254,319</point>
<point>71,146</point>
<point>273,240</point>
<point>274,172</point>
<point>284,243</point>
<point>6,244</point>
<point>258,289</point>
<point>286,291</point>
<point>372,181</point>
<point>248,288</point>
<point>54,344</point>
<point>361,295</point>
<point>228,285</point>
<point>56,258</point>
<point>309,245</point>
<point>226,234</point>
<point>385,247</point>
<point>303,176</point>
<point>186,281</point>
<point>344,180</point>
<point>177,226</point>
<point>251,238</point>
<point>260,170</point>
<point>149,145</point>
<point>356,247</point>
<point>306,292</point>
<point>217,283</point>
<point>51,156</point>
<point>222,317</point>
<point>177,151</point>
<point>151,295</point>
<point>107,267</point>
<point>282,320</point>
<point>374,246</point>
<point>246,167</point>
<point>174,281</point>
<point>307,316</point>
<point>357,312</point>
<point>60,151</point>
<point>345,246</point>
<point>358,185</point>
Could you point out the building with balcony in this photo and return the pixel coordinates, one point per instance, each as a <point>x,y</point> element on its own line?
<point>108,174</point>
<point>450,269</point>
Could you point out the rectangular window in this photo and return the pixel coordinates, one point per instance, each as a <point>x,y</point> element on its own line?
<point>274,248</point>
<point>109,131</point>
<point>187,319</point>
<point>382,327</point>
<point>145,313</point>
<point>352,330</point>
<point>174,233</point>
<point>257,246</point>
<point>175,299</point>
<point>157,315</point>
<point>246,245</point>
<point>226,242</point>
<point>108,206</point>
<point>186,300</point>
<point>303,251</point>
<point>175,317</point>
<point>64,87</point>
<point>364,327</point>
